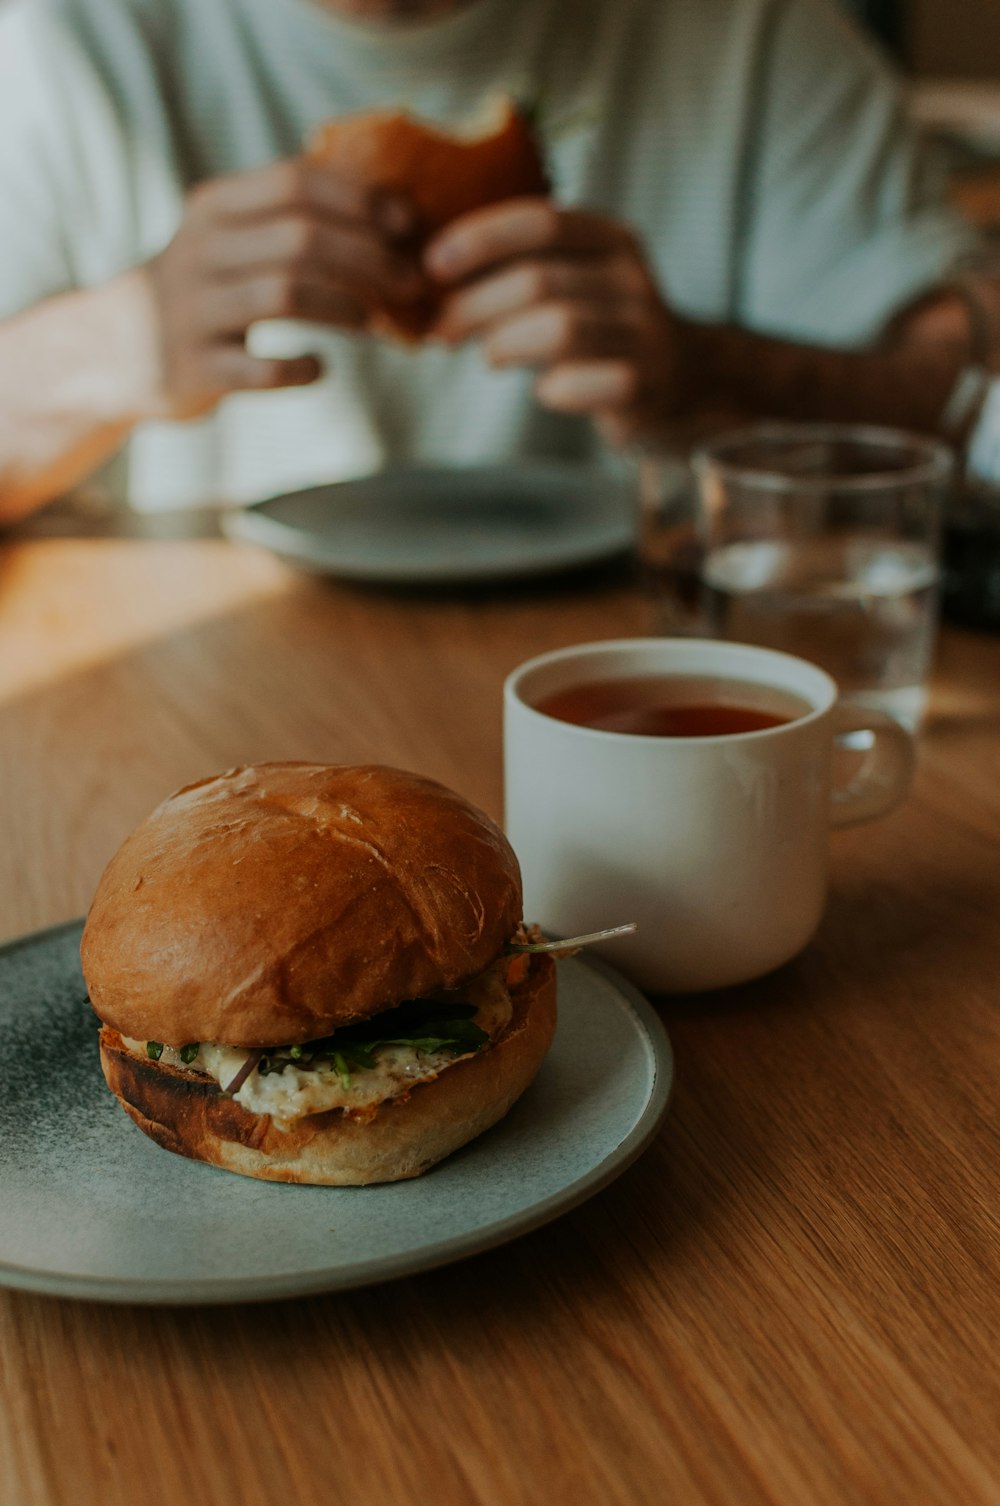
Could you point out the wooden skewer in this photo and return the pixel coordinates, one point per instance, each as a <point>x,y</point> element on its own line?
<point>573,941</point>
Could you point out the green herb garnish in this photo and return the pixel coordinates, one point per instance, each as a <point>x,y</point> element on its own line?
<point>189,1052</point>
<point>154,1050</point>
<point>424,1025</point>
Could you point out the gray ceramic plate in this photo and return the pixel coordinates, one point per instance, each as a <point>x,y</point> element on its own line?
<point>92,1208</point>
<point>425,525</point>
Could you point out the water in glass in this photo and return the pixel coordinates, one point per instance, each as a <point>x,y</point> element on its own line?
<point>862,608</point>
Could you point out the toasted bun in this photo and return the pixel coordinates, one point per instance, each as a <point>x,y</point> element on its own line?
<point>444,174</point>
<point>402,1138</point>
<point>272,904</point>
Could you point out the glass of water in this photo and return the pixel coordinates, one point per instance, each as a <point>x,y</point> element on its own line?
<point>823,540</point>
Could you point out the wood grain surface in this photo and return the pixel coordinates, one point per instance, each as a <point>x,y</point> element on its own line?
<point>793,1299</point>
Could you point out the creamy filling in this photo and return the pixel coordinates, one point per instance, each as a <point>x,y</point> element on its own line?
<point>290,1094</point>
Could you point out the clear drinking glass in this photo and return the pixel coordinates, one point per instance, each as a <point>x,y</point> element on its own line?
<point>824,541</point>
<point>668,544</point>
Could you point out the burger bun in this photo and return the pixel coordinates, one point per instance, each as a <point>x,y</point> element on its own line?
<point>274,903</point>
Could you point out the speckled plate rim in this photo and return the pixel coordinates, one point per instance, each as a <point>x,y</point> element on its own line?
<point>405,1263</point>
<point>585,541</point>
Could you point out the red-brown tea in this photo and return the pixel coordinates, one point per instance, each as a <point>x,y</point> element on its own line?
<point>674,706</point>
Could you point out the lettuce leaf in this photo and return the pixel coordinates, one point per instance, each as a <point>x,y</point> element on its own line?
<point>424,1025</point>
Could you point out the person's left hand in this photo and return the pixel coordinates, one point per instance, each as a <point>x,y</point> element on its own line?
<point>570,294</point>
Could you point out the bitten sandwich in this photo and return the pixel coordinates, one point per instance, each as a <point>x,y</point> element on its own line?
<point>443,173</point>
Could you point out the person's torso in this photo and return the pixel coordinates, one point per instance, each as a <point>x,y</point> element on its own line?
<point>642,107</point>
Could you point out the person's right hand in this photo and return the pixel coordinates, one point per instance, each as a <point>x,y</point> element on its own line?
<point>287,241</point>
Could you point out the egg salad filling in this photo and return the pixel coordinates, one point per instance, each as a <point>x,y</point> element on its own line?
<point>360,1065</point>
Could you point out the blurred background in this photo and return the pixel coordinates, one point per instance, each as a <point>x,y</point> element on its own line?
<point>951,51</point>
<point>958,37</point>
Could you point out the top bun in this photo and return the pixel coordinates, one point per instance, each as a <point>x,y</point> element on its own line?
<point>273,904</point>
<point>443,173</point>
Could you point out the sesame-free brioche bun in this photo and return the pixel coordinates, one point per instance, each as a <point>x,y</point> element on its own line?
<point>401,1138</point>
<point>443,173</point>
<point>272,904</point>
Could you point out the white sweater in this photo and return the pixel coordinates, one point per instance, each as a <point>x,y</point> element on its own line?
<point>758,145</point>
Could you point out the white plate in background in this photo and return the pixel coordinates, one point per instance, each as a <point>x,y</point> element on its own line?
<point>440,525</point>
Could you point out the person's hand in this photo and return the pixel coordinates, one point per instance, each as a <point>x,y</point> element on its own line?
<point>288,241</point>
<point>569,294</point>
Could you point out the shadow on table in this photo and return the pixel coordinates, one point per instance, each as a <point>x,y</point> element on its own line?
<point>569,582</point>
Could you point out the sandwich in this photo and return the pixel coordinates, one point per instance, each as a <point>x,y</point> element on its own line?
<point>316,973</point>
<point>443,173</point>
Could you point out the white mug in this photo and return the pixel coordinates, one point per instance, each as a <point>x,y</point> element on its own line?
<point>716,846</point>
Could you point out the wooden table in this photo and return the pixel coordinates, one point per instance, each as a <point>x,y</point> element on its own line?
<point>793,1297</point>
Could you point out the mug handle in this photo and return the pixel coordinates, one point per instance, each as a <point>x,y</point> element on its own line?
<point>886,771</point>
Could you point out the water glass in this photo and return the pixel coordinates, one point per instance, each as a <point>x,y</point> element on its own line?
<point>824,541</point>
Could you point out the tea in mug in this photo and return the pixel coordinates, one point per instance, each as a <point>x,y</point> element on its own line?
<point>674,706</point>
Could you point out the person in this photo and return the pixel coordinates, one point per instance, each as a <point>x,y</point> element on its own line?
<point>742,224</point>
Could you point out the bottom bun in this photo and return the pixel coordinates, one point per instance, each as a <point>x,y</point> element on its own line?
<point>403,1137</point>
